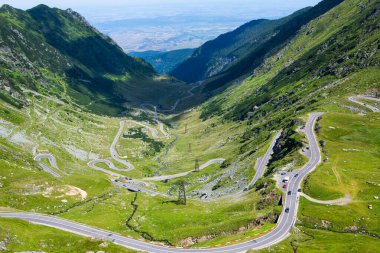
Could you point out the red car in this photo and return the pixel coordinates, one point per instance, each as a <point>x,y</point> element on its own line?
<point>284,186</point>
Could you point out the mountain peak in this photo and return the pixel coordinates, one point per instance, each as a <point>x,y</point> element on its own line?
<point>42,7</point>
<point>7,7</point>
<point>78,16</point>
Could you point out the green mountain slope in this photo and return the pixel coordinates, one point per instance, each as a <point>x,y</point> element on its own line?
<point>58,52</point>
<point>217,55</point>
<point>332,56</point>
<point>164,62</point>
<point>322,52</point>
<point>256,57</point>
<point>257,40</point>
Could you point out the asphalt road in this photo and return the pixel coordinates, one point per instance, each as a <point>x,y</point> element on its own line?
<point>92,165</point>
<point>203,166</point>
<point>355,99</point>
<point>113,151</point>
<point>281,231</point>
<point>132,184</point>
<point>152,130</point>
<point>263,161</point>
<point>52,162</point>
<point>115,155</point>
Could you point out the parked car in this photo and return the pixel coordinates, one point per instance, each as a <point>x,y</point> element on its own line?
<point>299,190</point>
<point>284,186</point>
<point>289,192</point>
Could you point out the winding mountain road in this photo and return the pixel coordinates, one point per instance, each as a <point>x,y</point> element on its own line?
<point>261,164</point>
<point>52,162</point>
<point>279,233</point>
<point>110,165</point>
<point>203,166</point>
<point>152,130</point>
<point>113,151</point>
<point>263,161</point>
<point>115,155</point>
<point>356,100</point>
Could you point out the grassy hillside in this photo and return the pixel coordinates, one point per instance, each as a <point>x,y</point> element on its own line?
<point>42,48</point>
<point>351,155</point>
<point>327,52</point>
<point>219,54</point>
<point>329,59</point>
<point>234,54</point>
<point>76,137</point>
<point>21,236</point>
<point>331,55</point>
<point>68,31</point>
<point>255,58</point>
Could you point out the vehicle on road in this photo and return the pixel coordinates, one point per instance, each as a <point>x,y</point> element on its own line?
<point>299,190</point>
<point>296,175</point>
<point>287,210</point>
<point>284,186</point>
<point>289,192</point>
<point>283,173</point>
<point>285,180</point>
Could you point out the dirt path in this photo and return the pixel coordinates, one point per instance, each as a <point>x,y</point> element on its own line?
<point>203,166</point>
<point>336,173</point>
<point>347,199</point>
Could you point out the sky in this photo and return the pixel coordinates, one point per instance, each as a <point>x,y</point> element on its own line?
<point>100,10</point>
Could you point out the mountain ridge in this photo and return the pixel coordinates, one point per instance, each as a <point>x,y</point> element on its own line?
<point>46,39</point>
<point>228,48</point>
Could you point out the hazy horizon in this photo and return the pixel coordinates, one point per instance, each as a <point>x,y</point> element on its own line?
<point>154,8</point>
<point>169,24</point>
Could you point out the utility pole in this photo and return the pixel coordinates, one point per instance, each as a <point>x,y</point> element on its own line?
<point>155,113</point>
<point>196,169</point>
<point>181,193</point>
